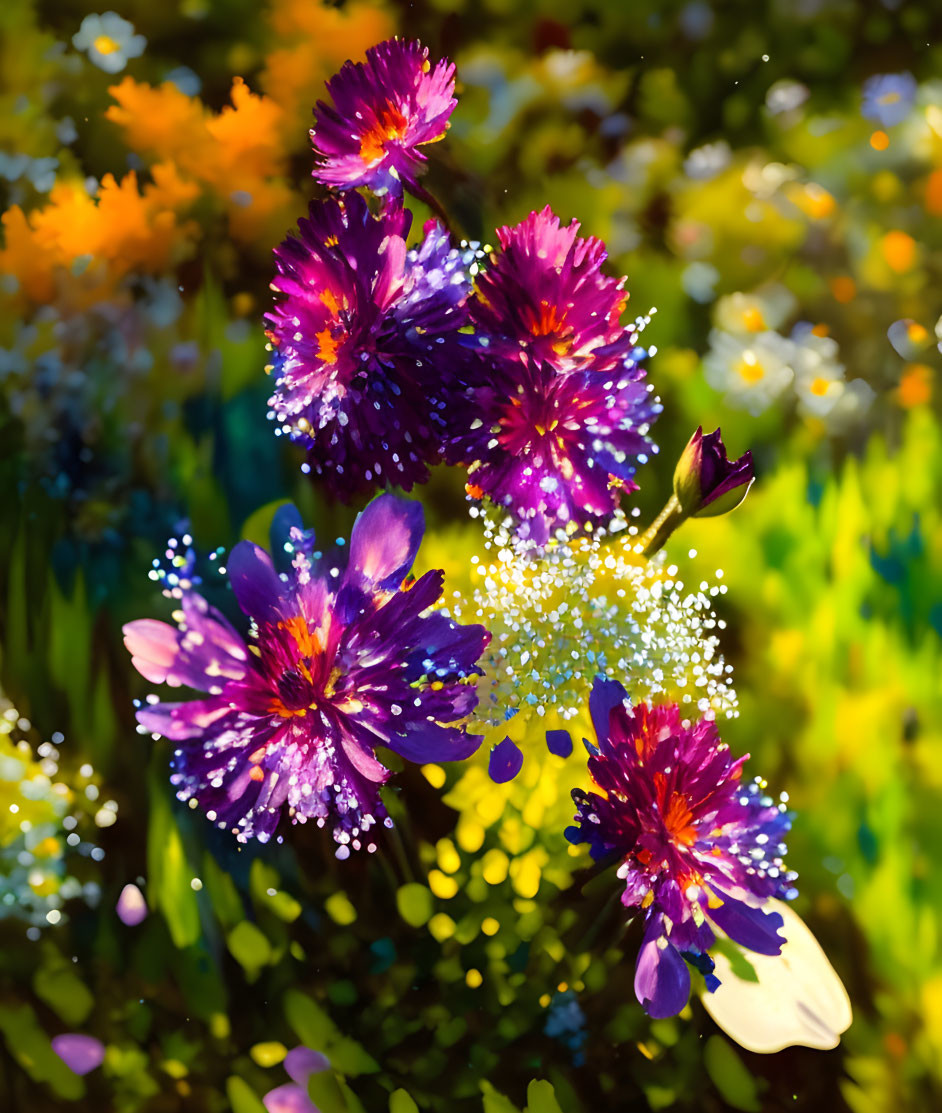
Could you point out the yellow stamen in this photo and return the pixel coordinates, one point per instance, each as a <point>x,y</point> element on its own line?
<point>105,44</point>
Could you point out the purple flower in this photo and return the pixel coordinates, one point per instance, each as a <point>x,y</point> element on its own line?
<point>697,850</point>
<point>705,482</point>
<point>557,412</point>
<point>342,657</point>
<point>888,97</point>
<point>556,450</point>
<point>366,343</point>
<point>544,299</point>
<point>81,1054</point>
<point>384,109</point>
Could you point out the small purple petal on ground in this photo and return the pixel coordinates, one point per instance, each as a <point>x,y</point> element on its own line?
<point>302,1062</point>
<point>131,906</point>
<point>288,1099</point>
<point>80,1054</point>
<point>505,761</point>
<point>559,742</point>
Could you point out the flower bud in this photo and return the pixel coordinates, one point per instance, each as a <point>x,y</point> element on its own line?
<point>705,482</point>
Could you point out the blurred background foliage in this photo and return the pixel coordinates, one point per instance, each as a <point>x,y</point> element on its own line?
<point>775,209</point>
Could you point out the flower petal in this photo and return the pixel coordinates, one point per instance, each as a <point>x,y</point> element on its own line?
<point>255,582</point>
<point>153,647</point>
<point>505,761</point>
<point>288,1099</point>
<point>80,1054</point>
<point>662,980</point>
<point>301,1062</point>
<point>131,907</point>
<point>605,696</point>
<point>798,999</point>
<point>749,927</point>
<point>384,541</point>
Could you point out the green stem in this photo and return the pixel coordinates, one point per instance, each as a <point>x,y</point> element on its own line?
<point>657,533</point>
<point>423,195</point>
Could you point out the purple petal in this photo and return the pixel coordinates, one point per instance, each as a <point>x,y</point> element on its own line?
<point>131,907</point>
<point>302,1062</point>
<point>750,927</point>
<point>255,582</point>
<point>178,721</point>
<point>385,539</point>
<point>559,742</point>
<point>424,742</point>
<point>505,762</point>
<point>80,1054</point>
<point>662,980</point>
<point>605,696</point>
<point>288,1099</point>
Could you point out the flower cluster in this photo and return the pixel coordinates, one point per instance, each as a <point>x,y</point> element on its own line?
<point>387,360</point>
<point>559,412</point>
<point>697,850</point>
<point>754,365</point>
<point>366,343</point>
<point>342,657</point>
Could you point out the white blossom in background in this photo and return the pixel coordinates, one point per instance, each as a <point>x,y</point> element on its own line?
<point>752,372</point>
<point>109,41</point>
<point>758,311</point>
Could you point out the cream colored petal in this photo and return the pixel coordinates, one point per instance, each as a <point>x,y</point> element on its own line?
<point>798,1000</point>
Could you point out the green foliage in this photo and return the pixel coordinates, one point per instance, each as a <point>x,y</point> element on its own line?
<point>427,973</point>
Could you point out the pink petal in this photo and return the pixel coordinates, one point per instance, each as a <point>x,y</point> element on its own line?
<point>288,1099</point>
<point>131,906</point>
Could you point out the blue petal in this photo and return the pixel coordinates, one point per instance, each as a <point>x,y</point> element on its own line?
<point>606,695</point>
<point>559,742</point>
<point>505,761</point>
<point>750,927</point>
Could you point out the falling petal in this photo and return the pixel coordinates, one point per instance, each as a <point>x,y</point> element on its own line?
<point>505,761</point>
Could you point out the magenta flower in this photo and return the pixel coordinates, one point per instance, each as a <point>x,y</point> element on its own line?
<point>544,299</point>
<point>366,344</point>
<point>705,482</point>
<point>556,414</point>
<point>342,657</point>
<point>556,450</point>
<point>696,849</point>
<point>384,109</point>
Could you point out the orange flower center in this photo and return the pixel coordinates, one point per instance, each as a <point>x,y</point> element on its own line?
<point>327,345</point>
<point>546,320</point>
<point>390,124</point>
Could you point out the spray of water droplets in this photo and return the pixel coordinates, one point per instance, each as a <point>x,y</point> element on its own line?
<point>585,606</point>
<point>45,823</point>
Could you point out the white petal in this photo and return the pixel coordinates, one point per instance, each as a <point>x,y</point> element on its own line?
<point>798,1000</point>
